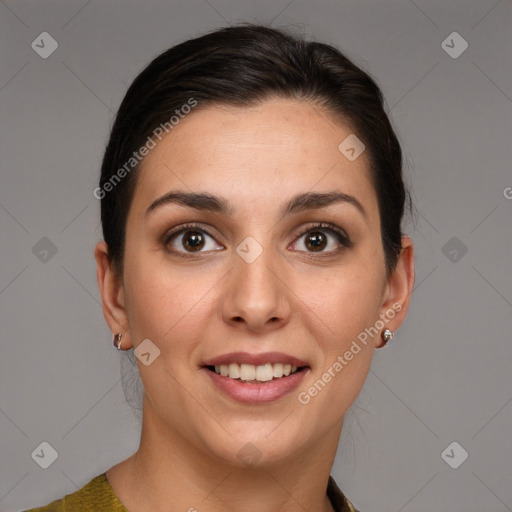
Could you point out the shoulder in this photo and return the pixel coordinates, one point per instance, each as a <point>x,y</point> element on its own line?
<point>97,496</point>
<point>339,501</point>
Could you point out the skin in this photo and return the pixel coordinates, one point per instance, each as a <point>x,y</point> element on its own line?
<point>215,303</point>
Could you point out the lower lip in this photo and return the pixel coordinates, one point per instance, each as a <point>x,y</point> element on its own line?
<point>257,393</point>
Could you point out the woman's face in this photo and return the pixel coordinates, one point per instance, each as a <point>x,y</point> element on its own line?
<point>256,281</point>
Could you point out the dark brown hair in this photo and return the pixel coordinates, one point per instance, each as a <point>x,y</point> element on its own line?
<point>241,66</point>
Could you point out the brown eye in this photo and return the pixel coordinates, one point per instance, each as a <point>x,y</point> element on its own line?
<point>190,239</point>
<point>316,241</point>
<point>193,240</point>
<point>325,238</point>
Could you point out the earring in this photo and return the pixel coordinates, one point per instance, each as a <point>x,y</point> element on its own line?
<point>386,336</point>
<point>117,341</point>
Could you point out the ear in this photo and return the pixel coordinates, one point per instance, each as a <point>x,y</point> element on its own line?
<point>112,294</point>
<point>398,289</point>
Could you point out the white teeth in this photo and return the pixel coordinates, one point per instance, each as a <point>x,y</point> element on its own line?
<point>248,372</point>
<point>278,370</point>
<point>234,371</point>
<point>265,372</point>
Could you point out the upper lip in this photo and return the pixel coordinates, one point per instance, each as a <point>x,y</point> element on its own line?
<point>255,359</point>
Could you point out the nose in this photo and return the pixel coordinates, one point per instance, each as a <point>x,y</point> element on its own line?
<point>256,297</point>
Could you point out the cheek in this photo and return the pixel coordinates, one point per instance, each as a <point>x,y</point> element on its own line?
<point>345,360</point>
<point>341,323</point>
<point>166,305</point>
<point>347,301</point>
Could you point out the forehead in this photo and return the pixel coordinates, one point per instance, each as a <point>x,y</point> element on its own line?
<point>254,156</point>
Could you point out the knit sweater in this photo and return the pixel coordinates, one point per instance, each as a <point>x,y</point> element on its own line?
<point>98,496</point>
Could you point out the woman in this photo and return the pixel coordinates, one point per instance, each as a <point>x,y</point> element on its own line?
<point>251,202</point>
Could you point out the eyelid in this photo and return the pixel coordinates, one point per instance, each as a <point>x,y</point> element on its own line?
<point>328,226</point>
<point>183,228</point>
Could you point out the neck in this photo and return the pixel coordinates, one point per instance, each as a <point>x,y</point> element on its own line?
<point>168,472</point>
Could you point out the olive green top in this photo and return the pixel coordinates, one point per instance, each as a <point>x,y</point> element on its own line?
<point>98,496</point>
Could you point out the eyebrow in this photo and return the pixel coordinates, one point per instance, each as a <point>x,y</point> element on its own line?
<point>299,203</point>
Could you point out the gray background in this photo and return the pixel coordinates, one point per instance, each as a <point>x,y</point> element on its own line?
<point>446,377</point>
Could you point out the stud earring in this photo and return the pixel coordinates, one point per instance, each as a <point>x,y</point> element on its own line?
<point>386,336</point>
<point>117,341</point>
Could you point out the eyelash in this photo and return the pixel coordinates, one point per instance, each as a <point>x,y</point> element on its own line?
<point>320,226</point>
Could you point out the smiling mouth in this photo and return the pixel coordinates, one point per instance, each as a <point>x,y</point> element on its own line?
<point>255,374</point>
